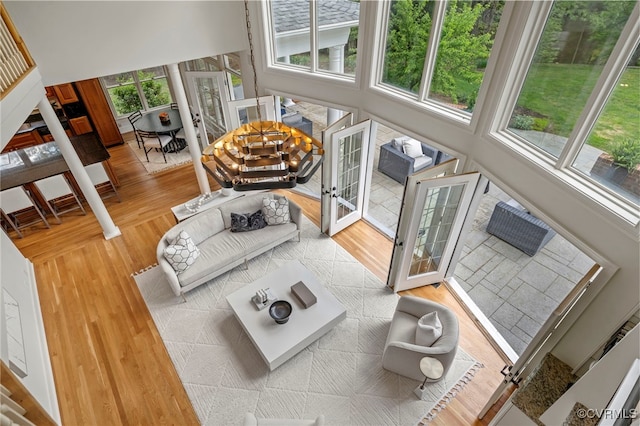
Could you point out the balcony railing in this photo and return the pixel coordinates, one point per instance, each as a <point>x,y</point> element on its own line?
<point>15,60</point>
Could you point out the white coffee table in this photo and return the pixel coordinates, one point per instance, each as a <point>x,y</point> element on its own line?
<point>279,342</point>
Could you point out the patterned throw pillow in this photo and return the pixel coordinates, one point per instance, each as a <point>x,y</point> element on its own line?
<point>247,222</point>
<point>182,252</point>
<point>276,211</point>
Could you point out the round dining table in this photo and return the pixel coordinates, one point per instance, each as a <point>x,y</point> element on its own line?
<point>150,122</point>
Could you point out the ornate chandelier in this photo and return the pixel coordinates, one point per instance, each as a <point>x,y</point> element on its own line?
<point>262,154</point>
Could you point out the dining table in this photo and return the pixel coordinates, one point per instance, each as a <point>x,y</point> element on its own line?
<point>150,122</point>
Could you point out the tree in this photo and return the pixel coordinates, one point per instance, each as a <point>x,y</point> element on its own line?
<point>408,33</point>
<point>126,99</point>
<point>460,50</point>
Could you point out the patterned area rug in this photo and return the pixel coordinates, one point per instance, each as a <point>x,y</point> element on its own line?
<point>340,375</point>
<point>156,162</point>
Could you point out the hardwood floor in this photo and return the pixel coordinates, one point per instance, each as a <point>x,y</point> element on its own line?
<point>109,363</point>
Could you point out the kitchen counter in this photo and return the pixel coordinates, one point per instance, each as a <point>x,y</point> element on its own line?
<point>38,162</point>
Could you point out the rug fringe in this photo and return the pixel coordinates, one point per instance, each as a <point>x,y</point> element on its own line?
<point>133,274</point>
<point>169,167</point>
<point>451,394</point>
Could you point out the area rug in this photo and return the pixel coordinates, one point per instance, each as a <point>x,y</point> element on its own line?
<point>340,375</point>
<point>156,162</point>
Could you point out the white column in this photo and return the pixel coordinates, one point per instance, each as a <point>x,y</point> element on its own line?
<point>336,64</point>
<point>189,129</point>
<point>109,229</point>
<point>287,101</point>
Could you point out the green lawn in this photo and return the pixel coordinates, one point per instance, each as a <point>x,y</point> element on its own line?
<point>558,92</point>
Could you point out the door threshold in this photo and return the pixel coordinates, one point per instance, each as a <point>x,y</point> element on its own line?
<point>488,329</point>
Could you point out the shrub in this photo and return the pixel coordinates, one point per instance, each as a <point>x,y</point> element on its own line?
<point>540,124</point>
<point>522,122</point>
<point>626,153</point>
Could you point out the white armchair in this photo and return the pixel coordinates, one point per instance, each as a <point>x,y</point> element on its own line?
<point>402,355</point>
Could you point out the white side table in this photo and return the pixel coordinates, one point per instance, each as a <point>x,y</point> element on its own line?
<point>432,370</point>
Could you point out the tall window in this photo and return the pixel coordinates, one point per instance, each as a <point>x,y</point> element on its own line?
<point>566,71</point>
<point>440,48</point>
<point>336,29</point>
<point>138,90</point>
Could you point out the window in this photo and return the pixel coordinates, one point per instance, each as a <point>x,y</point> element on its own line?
<point>446,45</point>
<point>576,43</point>
<point>335,27</point>
<point>611,154</point>
<point>137,90</point>
<point>558,110</point>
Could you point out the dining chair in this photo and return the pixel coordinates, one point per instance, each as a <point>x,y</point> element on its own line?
<point>154,140</point>
<point>180,134</point>
<point>59,195</point>
<point>17,208</point>
<point>100,179</point>
<point>132,119</point>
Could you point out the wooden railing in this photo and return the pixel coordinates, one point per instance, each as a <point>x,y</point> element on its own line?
<point>15,60</point>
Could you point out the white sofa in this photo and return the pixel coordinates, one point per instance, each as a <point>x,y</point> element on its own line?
<point>220,249</point>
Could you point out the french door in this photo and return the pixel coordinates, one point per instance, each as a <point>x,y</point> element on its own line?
<point>244,111</point>
<point>436,206</point>
<point>208,90</point>
<point>344,174</point>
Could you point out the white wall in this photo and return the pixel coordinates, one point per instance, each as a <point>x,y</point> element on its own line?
<point>71,41</point>
<point>17,278</point>
<point>586,223</point>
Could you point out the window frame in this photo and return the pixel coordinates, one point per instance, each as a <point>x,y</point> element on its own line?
<point>562,167</point>
<point>271,52</point>
<point>138,84</point>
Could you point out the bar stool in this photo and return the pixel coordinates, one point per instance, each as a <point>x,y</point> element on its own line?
<point>59,195</point>
<point>16,203</point>
<point>101,181</point>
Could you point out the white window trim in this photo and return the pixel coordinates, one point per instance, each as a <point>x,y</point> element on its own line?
<point>312,70</point>
<point>562,167</point>
<point>136,82</point>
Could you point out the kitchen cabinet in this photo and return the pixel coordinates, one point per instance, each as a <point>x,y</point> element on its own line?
<point>80,125</point>
<point>50,92</point>
<point>65,93</point>
<point>98,108</point>
<point>23,140</point>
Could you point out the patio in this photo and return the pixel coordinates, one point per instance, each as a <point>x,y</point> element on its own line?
<point>516,292</point>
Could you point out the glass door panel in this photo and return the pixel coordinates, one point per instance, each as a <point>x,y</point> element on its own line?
<point>208,92</point>
<point>348,156</point>
<point>245,110</point>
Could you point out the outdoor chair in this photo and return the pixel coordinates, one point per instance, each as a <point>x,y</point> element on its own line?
<point>519,228</point>
<point>398,165</point>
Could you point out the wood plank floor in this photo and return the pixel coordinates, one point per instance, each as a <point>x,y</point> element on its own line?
<point>109,363</point>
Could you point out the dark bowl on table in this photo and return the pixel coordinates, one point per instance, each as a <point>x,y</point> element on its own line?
<point>280,311</point>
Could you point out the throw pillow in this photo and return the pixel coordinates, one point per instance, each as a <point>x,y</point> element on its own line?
<point>276,211</point>
<point>412,148</point>
<point>247,222</point>
<point>429,329</point>
<point>182,252</point>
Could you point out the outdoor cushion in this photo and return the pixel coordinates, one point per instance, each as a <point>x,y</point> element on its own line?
<point>421,162</point>
<point>412,148</point>
<point>429,329</point>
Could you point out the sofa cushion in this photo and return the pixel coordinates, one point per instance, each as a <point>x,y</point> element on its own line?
<point>397,142</point>
<point>181,253</point>
<point>199,227</point>
<point>429,329</point>
<point>215,254</point>
<point>264,237</point>
<point>242,222</point>
<point>276,211</point>
<point>412,148</point>
<point>247,203</point>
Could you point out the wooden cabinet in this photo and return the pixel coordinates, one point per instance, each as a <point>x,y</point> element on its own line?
<point>23,140</point>
<point>80,125</point>
<point>50,92</point>
<point>98,108</point>
<point>65,93</point>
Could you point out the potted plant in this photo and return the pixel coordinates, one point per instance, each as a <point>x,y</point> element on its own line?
<point>621,165</point>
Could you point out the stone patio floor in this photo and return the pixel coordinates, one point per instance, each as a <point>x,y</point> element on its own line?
<point>516,292</point>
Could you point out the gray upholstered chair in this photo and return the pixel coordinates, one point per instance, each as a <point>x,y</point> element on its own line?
<point>402,355</point>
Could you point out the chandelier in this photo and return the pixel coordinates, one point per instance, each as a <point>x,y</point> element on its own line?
<point>262,154</point>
